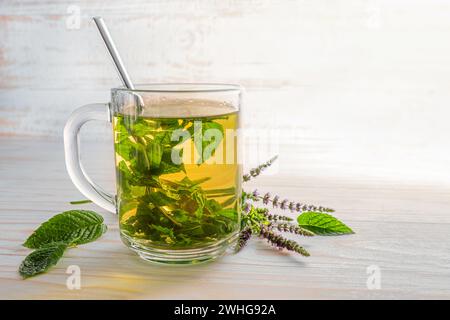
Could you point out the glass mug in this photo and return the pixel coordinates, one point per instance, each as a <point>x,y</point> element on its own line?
<point>178,177</point>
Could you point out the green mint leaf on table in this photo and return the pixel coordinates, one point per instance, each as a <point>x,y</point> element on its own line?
<point>42,259</point>
<point>53,237</point>
<point>322,224</point>
<point>72,227</point>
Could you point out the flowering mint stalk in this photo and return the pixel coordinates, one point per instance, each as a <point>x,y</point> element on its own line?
<point>244,236</point>
<point>257,171</point>
<point>282,243</point>
<point>260,222</point>
<point>272,217</point>
<point>285,204</point>
<point>287,227</point>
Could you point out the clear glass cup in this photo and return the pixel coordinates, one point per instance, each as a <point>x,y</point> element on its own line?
<point>178,174</point>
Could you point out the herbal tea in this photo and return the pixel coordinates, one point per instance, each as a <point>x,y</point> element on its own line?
<point>178,178</point>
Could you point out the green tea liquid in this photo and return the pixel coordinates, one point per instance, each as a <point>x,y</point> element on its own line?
<point>171,205</point>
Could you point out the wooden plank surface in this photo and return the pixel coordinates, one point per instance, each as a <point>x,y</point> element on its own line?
<point>400,227</point>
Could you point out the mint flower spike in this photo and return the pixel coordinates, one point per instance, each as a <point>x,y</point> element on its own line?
<point>287,227</point>
<point>272,217</point>
<point>257,171</point>
<point>282,243</point>
<point>285,204</point>
<point>244,236</point>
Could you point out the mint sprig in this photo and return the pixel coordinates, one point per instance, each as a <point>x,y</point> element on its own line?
<point>54,236</point>
<point>258,221</point>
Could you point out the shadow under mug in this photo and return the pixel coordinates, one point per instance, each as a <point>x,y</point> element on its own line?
<point>178,174</point>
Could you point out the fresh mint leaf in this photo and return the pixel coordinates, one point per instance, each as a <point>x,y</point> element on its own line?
<point>228,213</point>
<point>125,147</point>
<point>42,259</point>
<point>212,205</point>
<point>73,227</point>
<point>221,192</point>
<point>210,144</point>
<point>229,201</point>
<point>160,199</point>
<point>155,153</point>
<point>205,149</point>
<point>322,224</point>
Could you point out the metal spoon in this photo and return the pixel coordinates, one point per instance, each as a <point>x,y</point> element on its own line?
<point>120,67</point>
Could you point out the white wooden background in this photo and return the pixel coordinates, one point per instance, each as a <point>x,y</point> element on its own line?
<point>360,90</point>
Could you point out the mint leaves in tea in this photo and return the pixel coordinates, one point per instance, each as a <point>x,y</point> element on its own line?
<point>178,180</point>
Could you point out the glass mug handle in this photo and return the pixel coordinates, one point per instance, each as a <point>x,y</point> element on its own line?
<point>95,111</point>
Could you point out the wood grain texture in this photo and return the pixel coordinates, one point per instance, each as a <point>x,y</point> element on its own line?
<point>401,227</point>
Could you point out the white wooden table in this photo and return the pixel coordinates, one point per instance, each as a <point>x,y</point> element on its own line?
<point>401,228</point>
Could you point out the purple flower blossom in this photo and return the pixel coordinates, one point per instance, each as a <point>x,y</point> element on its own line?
<point>292,206</point>
<point>266,198</point>
<point>275,201</point>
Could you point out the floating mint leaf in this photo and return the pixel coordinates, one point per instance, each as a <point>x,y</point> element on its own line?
<point>41,259</point>
<point>228,213</point>
<point>72,227</point>
<point>203,144</point>
<point>155,153</point>
<point>322,224</point>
